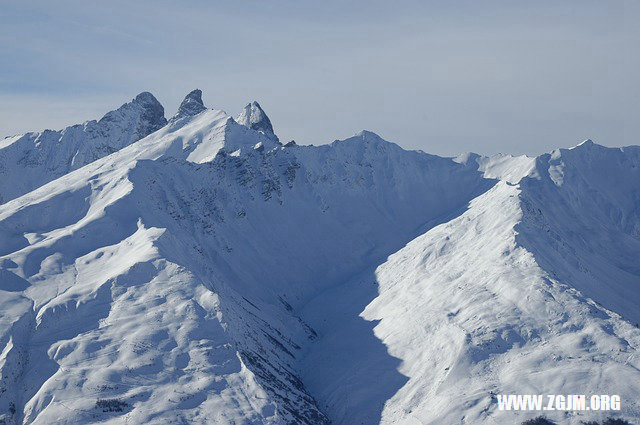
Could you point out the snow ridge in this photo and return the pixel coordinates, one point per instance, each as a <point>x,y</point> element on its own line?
<point>207,274</point>
<point>28,161</point>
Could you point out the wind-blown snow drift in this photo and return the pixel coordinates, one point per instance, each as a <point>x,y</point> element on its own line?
<point>206,273</point>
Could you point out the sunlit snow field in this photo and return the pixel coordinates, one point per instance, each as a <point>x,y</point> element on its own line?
<point>199,270</point>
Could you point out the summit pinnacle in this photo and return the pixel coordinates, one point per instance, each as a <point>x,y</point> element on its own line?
<point>254,117</point>
<point>191,105</point>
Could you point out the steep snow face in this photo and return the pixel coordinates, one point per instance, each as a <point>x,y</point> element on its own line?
<point>465,313</point>
<point>33,159</point>
<point>582,221</point>
<point>208,274</point>
<point>255,118</point>
<point>502,167</point>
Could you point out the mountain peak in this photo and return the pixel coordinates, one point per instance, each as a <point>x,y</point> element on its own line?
<point>368,135</point>
<point>50,154</point>
<point>144,112</point>
<point>586,146</point>
<point>586,143</point>
<point>254,117</point>
<point>152,117</point>
<point>191,105</point>
<point>146,98</point>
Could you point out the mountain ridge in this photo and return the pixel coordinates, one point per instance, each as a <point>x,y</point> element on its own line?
<point>50,154</point>
<point>207,273</point>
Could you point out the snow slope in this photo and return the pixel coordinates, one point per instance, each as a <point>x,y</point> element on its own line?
<point>208,274</point>
<point>30,160</point>
<point>468,313</point>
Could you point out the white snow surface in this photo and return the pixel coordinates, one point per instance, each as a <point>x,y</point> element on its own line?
<point>30,160</point>
<point>208,274</point>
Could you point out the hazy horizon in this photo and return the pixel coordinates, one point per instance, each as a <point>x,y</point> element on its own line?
<point>444,78</point>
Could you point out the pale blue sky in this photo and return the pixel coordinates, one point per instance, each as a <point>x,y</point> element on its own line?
<point>445,77</point>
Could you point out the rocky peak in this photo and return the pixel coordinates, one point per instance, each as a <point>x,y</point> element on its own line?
<point>144,115</point>
<point>191,105</point>
<point>254,117</point>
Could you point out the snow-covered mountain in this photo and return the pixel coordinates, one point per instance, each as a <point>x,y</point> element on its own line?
<point>30,160</point>
<point>206,273</point>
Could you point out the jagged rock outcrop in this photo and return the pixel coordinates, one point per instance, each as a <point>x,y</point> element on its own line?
<point>191,105</point>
